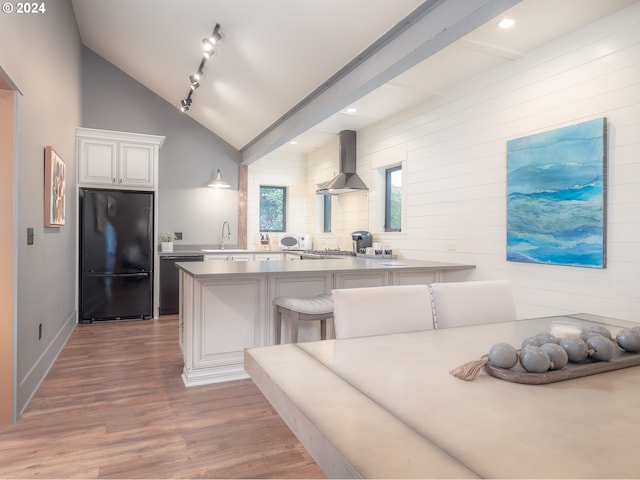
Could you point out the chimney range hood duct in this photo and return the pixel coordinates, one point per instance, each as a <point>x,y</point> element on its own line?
<point>347,180</point>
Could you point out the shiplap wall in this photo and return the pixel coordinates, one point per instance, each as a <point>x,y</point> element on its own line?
<point>280,171</point>
<point>454,152</point>
<point>302,176</point>
<point>347,210</point>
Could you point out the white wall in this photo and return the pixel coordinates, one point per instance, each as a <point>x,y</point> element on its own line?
<point>279,171</point>
<point>453,152</point>
<point>303,176</point>
<point>455,172</point>
<point>304,214</point>
<point>349,211</point>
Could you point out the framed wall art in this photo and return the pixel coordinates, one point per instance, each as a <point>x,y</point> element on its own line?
<point>556,196</point>
<point>54,189</point>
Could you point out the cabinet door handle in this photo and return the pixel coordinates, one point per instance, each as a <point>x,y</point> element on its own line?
<point>113,180</point>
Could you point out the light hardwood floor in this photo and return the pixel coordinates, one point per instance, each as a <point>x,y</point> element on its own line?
<point>114,406</point>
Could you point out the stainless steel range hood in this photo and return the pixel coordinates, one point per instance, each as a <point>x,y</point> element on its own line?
<point>347,180</point>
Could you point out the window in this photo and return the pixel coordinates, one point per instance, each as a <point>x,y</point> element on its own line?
<point>273,209</point>
<point>326,218</point>
<point>393,199</point>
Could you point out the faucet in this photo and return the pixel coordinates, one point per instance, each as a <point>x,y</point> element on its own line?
<point>225,238</point>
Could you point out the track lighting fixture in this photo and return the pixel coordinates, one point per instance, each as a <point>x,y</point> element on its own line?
<point>186,103</point>
<point>215,36</point>
<point>208,51</point>
<point>207,48</point>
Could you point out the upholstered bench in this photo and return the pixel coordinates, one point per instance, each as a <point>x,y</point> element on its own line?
<point>302,309</point>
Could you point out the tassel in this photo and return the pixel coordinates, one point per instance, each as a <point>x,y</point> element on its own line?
<point>469,370</point>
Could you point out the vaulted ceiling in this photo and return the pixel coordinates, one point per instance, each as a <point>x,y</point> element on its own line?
<point>288,69</point>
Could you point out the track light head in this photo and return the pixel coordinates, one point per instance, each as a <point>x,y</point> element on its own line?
<point>215,36</point>
<point>208,44</point>
<point>194,80</point>
<point>207,47</point>
<point>185,104</point>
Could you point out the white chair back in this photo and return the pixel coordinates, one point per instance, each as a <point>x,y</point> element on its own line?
<point>360,312</point>
<point>458,304</point>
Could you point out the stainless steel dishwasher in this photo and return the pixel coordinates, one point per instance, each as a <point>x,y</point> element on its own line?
<point>169,281</point>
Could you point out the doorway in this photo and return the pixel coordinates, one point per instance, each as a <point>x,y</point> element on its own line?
<point>8,96</point>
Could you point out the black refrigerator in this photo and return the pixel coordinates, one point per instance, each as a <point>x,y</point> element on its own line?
<point>116,255</point>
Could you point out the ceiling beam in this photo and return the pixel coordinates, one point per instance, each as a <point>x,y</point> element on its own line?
<point>434,25</point>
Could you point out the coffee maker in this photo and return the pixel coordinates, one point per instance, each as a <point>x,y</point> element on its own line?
<point>361,240</point>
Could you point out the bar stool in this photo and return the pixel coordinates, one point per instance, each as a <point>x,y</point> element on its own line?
<point>302,309</point>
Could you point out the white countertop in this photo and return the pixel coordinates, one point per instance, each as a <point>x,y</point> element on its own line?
<point>386,406</point>
<point>213,269</point>
<point>195,250</point>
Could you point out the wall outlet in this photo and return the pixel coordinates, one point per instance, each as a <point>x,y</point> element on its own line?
<point>30,236</point>
<point>177,235</point>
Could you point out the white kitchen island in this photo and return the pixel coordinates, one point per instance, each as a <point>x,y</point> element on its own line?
<point>226,307</point>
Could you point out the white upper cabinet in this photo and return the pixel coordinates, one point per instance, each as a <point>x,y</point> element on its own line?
<point>137,164</point>
<point>117,159</point>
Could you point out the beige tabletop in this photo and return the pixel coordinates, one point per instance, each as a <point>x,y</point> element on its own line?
<point>402,400</point>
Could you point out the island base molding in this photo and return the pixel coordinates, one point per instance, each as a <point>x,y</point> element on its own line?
<point>217,374</point>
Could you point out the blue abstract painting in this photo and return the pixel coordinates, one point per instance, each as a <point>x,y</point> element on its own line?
<point>556,186</point>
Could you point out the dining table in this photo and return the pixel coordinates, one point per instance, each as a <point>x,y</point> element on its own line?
<point>387,406</point>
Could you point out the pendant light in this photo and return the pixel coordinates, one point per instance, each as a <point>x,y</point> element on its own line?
<point>217,181</point>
